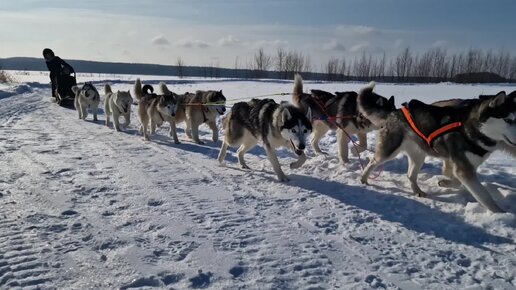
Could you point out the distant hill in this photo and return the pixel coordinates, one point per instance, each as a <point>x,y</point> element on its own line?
<point>479,77</point>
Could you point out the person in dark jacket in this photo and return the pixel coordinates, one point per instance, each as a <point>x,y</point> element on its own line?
<point>57,68</point>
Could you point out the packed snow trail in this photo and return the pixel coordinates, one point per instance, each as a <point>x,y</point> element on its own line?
<point>82,206</point>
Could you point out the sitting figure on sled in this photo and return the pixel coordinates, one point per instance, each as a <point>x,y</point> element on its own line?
<point>62,76</point>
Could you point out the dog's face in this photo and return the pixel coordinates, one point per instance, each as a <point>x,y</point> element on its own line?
<point>498,118</point>
<point>89,92</point>
<point>123,100</point>
<point>217,98</point>
<point>296,127</point>
<point>167,105</point>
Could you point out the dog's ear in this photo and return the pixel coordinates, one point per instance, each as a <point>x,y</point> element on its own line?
<point>286,115</point>
<point>221,92</point>
<point>498,100</point>
<point>380,102</point>
<point>309,114</point>
<point>392,105</point>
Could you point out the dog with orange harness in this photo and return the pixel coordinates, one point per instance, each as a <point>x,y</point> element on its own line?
<point>461,136</point>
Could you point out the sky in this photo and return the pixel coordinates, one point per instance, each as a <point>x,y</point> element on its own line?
<point>228,32</point>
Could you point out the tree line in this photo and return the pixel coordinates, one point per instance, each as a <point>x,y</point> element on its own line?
<point>433,65</point>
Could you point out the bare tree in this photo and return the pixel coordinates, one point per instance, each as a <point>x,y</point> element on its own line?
<point>403,64</point>
<point>280,59</point>
<point>331,69</point>
<point>180,67</point>
<point>262,62</point>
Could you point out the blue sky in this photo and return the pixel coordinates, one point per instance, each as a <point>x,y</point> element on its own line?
<point>227,31</point>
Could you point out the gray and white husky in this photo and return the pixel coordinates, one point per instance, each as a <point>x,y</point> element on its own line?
<point>276,125</point>
<point>203,107</point>
<point>333,112</point>
<point>117,104</point>
<point>154,110</point>
<point>86,97</point>
<point>483,124</point>
<point>502,146</point>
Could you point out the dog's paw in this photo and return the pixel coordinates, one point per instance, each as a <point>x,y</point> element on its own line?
<point>199,142</point>
<point>244,166</point>
<point>177,142</point>
<point>421,194</point>
<point>296,165</point>
<point>283,178</point>
<point>448,183</point>
<point>363,180</point>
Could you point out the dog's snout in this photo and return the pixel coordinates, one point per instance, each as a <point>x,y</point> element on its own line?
<point>302,146</point>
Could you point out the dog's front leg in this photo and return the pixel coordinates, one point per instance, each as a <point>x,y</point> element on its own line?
<point>415,161</point>
<point>273,158</point>
<point>173,131</point>
<point>95,109</point>
<point>127,121</point>
<point>450,181</point>
<point>320,129</point>
<point>342,141</point>
<point>466,173</point>
<point>84,110</point>
<point>300,161</point>
<point>116,120</point>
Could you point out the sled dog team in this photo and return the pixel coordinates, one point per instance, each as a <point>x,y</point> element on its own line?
<point>462,133</point>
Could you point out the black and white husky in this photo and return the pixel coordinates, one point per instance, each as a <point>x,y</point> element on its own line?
<point>337,112</point>
<point>481,125</point>
<point>86,97</point>
<point>276,125</point>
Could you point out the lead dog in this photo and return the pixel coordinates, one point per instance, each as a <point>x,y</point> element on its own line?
<point>117,104</point>
<point>86,97</point>
<point>333,112</point>
<point>483,124</point>
<point>276,125</point>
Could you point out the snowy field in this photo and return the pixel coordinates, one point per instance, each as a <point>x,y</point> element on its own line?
<point>85,207</point>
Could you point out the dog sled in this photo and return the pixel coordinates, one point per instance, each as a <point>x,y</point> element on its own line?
<point>64,95</point>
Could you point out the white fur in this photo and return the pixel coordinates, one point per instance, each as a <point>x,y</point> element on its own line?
<point>86,99</point>
<point>117,104</point>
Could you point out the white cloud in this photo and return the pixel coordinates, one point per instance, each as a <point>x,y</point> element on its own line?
<point>269,43</point>
<point>440,43</point>
<point>229,40</point>
<point>366,47</point>
<point>195,43</point>
<point>334,45</point>
<point>358,30</point>
<point>160,40</point>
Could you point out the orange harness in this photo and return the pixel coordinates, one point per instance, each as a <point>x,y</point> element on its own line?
<point>435,134</point>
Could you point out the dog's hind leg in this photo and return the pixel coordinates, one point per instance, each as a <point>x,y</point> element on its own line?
<point>107,111</point>
<point>450,181</point>
<point>320,129</point>
<point>466,173</point>
<point>223,152</point>
<point>415,162</point>
<point>362,144</point>
<point>387,147</point>
<point>195,133</point>
<point>214,129</point>
<point>248,144</point>
<point>273,158</point>
<point>116,121</point>
<point>342,142</point>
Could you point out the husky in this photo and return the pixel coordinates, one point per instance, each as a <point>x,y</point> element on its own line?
<point>154,110</point>
<point>86,98</point>
<point>337,112</point>
<point>117,104</point>
<point>480,127</point>
<point>450,181</point>
<point>196,109</point>
<point>276,125</point>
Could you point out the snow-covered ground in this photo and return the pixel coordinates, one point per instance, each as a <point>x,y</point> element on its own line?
<point>85,207</point>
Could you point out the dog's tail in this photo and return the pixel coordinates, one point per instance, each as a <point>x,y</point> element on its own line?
<point>138,92</point>
<point>107,89</point>
<point>297,92</point>
<point>373,106</point>
<point>147,90</point>
<point>163,89</point>
<point>75,89</point>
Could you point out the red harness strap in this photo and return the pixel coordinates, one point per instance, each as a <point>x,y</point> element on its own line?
<point>434,134</point>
